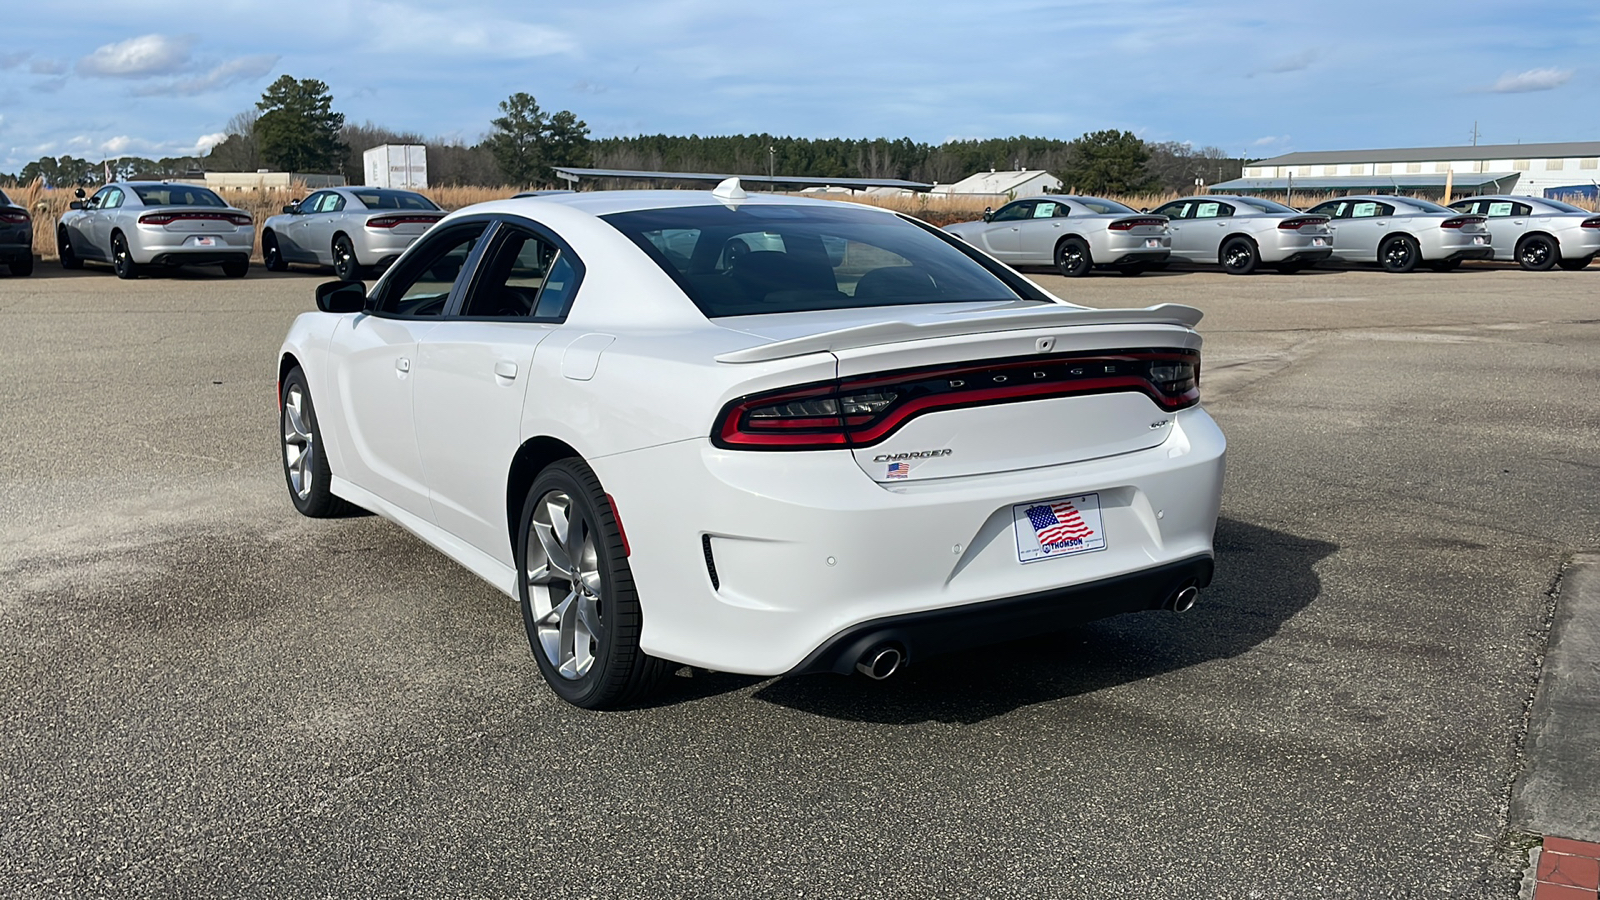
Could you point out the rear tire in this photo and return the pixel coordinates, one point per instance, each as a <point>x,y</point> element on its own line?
<point>1537,253</point>
<point>1399,254</point>
<point>68,256</point>
<point>344,260</point>
<point>1240,257</point>
<point>122,260</point>
<point>271,255</point>
<point>236,268</point>
<point>305,463</point>
<point>1073,259</point>
<point>23,267</point>
<point>576,591</point>
<point>1573,265</point>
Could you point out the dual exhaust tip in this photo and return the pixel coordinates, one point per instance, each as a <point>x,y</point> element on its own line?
<point>883,660</point>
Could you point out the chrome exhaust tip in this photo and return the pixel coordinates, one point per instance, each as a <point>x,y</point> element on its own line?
<point>880,662</point>
<point>1184,600</point>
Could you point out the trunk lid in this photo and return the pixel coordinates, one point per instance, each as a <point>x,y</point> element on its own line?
<point>194,220</point>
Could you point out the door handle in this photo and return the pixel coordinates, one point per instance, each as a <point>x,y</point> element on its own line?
<point>403,364</point>
<point>505,369</point>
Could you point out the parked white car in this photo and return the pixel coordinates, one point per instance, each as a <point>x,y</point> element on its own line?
<point>353,229</point>
<point>1538,233</point>
<point>1243,233</point>
<point>855,443</point>
<point>1401,233</point>
<point>1074,234</point>
<point>140,225</point>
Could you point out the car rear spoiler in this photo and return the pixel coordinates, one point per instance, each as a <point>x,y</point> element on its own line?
<point>979,322</point>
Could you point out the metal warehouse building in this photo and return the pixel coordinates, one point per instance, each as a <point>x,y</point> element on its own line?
<point>1541,170</point>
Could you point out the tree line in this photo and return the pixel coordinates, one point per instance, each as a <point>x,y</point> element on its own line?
<point>294,128</point>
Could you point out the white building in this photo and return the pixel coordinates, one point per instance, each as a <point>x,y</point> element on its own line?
<point>1528,169</point>
<point>263,180</point>
<point>1009,184</point>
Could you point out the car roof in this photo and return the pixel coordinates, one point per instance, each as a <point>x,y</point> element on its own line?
<point>602,203</point>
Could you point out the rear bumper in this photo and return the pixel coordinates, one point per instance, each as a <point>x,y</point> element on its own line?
<point>153,245</point>
<point>1470,253</point>
<point>1292,246</point>
<point>1317,255</point>
<point>15,252</point>
<point>1137,256</point>
<point>198,257</point>
<point>931,633</point>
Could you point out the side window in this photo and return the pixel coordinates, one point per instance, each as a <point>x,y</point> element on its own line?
<point>1333,210</point>
<point>1521,209</point>
<point>1014,211</point>
<point>98,201</point>
<point>1174,210</point>
<point>1500,208</point>
<point>1207,210</point>
<point>311,203</point>
<point>113,198</point>
<point>332,202</point>
<point>526,276</point>
<point>1470,207</point>
<point>1367,209</point>
<point>423,283</point>
<point>1046,209</point>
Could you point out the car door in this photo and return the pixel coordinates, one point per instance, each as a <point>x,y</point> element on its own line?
<point>1002,237</point>
<point>372,357</point>
<point>1508,221</point>
<point>1208,222</point>
<point>107,217</point>
<point>473,379</point>
<point>1037,235</point>
<point>82,229</point>
<point>289,232</point>
<point>321,226</point>
<point>1177,213</point>
<point>1364,224</point>
<point>299,230</point>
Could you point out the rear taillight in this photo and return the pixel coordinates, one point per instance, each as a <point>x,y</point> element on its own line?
<point>1130,224</point>
<point>392,221</point>
<point>1459,221</point>
<point>15,217</point>
<point>1592,223</point>
<point>1301,222</point>
<point>169,218</point>
<point>863,411</point>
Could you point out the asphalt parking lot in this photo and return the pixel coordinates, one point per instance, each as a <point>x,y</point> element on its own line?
<point>204,695</point>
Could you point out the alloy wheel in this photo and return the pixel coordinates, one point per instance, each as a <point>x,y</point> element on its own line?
<point>565,589</point>
<point>1397,255</point>
<point>299,444</point>
<point>1535,254</point>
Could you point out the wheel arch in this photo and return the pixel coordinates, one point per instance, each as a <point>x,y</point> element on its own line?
<point>1533,234</point>
<point>530,459</point>
<point>1394,234</point>
<point>1237,234</point>
<point>286,364</point>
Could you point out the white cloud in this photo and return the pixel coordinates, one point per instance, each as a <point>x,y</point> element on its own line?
<point>47,67</point>
<point>140,57</point>
<point>245,68</point>
<point>1531,80</point>
<point>115,146</point>
<point>207,141</point>
<point>1270,140</point>
<point>413,28</point>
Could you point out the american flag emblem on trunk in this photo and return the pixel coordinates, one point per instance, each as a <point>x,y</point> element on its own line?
<point>899,470</point>
<point>1058,523</point>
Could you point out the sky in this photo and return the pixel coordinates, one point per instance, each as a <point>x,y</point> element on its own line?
<point>97,78</point>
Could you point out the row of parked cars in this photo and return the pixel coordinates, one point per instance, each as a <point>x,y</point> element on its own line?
<point>136,226</point>
<point>1243,234</point>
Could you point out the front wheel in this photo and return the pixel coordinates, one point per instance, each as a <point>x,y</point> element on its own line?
<point>122,260</point>
<point>576,590</point>
<point>305,465</point>
<point>1573,265</point>
<point>23,266</point>
<point>1399,254</point>
<point>68,256</point>
<point>1537,253</point>
<point>344,260</point>
<point>271,254</point>
<point>1240,257</point>
<point>1073,258</point>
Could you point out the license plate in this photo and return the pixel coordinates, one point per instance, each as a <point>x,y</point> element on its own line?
<point>205,242</point>
<point>1063,526</point>
<point>1319,242</point>
<point>1152,242</point>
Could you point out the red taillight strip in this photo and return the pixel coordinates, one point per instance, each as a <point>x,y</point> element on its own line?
<point>1591,223</point>
<point>996,396</point>
<point>392,221</point>
<point>1459,221</point>
<point>1130,224</point>
<point>168,218</point>
<point>1300,222</point>
<point>15,218</point>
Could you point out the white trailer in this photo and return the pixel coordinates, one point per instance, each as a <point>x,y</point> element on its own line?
<point>396,166</point>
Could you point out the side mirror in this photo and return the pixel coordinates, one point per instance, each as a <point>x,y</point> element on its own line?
<point>341,296</point>
<point>79,193</point>
<point>988,214</point>
<point>292,208</point>
<point>77,204</point>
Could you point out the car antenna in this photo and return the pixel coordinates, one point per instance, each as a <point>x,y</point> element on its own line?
<point>730,189</point>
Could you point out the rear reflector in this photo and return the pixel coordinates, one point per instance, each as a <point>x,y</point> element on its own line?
<point>866,410</point>
<point>1591,223</point>
<point>392,221</point>
<point>1459,221</point>
<point>1297,223</point>
<point>15,217</point>
<point>1130,224</point>
<point>169,218</point>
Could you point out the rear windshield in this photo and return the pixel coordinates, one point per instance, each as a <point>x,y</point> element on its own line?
<point>4,200</point>
<point>1266,206</point>
<point>176,195</point>
<point>387,199</point>
<point>1107,207</point>
<point>763,258</point>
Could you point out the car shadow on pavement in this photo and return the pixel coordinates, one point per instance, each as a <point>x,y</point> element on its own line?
<point>1264,577</point>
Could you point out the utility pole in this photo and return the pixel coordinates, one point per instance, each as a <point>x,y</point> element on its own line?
<point>772,153</point>
<point>1474,132</point>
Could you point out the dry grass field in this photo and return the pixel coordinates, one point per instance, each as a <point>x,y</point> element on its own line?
<point>48,205</point>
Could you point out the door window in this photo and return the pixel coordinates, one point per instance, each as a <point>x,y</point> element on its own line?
<point>524,277</point>
<point>1210,209</point>
<point>312,203</point>
<point>1014,211</point>
<point>113,198</point>
<point>98,201</point>
<point>1178,210</point>
<point>423,280</point>
<point>1335,209</point>
<point>332,202</point>
<point>1471,207</point>
<point>1367,209</point>
<point>1048,209</point>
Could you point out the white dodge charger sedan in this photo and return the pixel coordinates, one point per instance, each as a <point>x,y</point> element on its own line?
<point>756,434</point>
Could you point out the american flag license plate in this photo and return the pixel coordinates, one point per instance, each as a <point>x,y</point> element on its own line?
<point>1060,527</point>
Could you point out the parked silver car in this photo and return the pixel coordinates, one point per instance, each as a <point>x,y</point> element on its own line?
<point>1536,232</point>
<point>138,224</point>
<point>1400,233</point>
<point>1074,234</point>
<point>353,229</point>
<point>16,236</point>
<point>1242,233</point>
